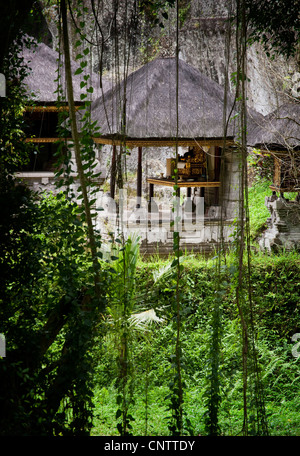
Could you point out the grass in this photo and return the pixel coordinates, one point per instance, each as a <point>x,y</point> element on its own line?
<point>152,423</point>
<point>257,208</point>
<point>284,418</point>
<point>283,415</point>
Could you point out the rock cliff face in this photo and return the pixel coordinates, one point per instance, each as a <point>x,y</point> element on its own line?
<point>127,37</point>
<point>130,39</point>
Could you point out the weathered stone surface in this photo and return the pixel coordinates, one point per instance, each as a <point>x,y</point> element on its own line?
<point>202,40</point>
<point>283,230</point>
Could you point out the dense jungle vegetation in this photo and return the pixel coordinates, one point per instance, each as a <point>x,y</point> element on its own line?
<point>123,345</point>
<point>275,282</point>
<point>126,370</point>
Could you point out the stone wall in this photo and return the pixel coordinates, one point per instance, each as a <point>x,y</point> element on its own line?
<point>283,226</point>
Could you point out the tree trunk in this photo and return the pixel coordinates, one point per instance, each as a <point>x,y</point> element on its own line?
<point>75,137</point>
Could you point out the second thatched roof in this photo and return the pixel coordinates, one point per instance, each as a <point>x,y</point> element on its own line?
<point>41,80</point>
<point>280,130</point>
<point>145,104</point>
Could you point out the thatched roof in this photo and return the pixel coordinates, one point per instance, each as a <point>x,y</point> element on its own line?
<point>150,94</point>
<point>41,81</point>
<point>280,130</point>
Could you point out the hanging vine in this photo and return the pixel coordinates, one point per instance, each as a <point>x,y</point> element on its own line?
<point>254,421</point>
<point>78,148</point>
<point>240,273</point>
<point>176,385</point>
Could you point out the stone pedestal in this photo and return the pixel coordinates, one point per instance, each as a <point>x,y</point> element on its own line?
<point>283,230</point>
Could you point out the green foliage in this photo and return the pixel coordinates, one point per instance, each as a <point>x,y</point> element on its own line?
<point>257,208</point>
<point>276,24</point>
<point>156,10</point>
<point>213,396</point>
<point>122,299</point>
<point>16,19</point>
<point>49,307</point>
<point>48,315</point>
<point>278,369</point>
<point>130,324</point>
<point>14,152</point>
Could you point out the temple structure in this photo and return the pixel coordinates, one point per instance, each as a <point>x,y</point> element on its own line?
<point>165,104</point>
<point>169,104</point>
<point>42,115</point>
<point>279,136</point>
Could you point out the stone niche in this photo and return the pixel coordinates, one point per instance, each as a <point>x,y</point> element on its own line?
<point>283,230</point>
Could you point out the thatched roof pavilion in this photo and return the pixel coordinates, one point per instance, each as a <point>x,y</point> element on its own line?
<point>279,137</point>
<point>43,62</point>
<point>142,109</point>
<point>280,130</point>
<point>41,84</point>
<point>279,134</point>
<point>42,115</point>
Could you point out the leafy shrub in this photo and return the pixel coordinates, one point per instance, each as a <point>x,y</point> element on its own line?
<point>275,296</point>
<point>48,316</point>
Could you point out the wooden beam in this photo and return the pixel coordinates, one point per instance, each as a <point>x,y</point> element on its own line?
<point>161,142</point>
<point>46,140</point>
<point>48,108</point>
<point>171,183</point>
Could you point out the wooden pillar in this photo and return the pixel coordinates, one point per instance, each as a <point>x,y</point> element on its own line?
<point>139,178</point>
<point>113,173</point>
<point>217,171</point>
<point>151,195</point>
<point>151,191</point>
